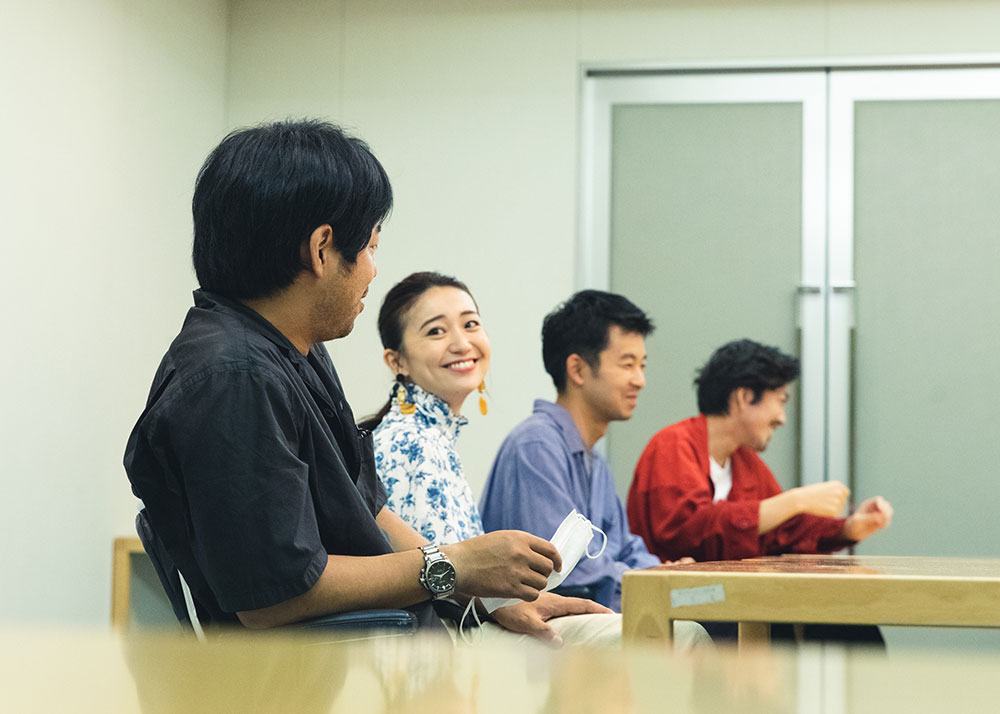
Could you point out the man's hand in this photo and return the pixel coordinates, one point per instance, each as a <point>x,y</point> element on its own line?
<point>822,499</point>
<point>503,564</point>
<point>871,516</point>
<point>819,499</point>
<point>531,618</point>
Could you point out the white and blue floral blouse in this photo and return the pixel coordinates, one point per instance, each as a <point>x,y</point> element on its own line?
<point>416,459</point>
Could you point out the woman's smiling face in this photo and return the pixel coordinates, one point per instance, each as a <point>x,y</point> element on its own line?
<point>445,350</point>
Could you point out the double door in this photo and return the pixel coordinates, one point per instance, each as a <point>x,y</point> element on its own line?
<point>849,216</point>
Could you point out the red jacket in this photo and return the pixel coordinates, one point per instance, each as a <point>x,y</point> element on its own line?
<point>670,503</point>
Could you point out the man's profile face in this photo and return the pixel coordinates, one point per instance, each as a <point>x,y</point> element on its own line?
<point>612,390</point>
<point>345,288</point>
<point>761,419</point>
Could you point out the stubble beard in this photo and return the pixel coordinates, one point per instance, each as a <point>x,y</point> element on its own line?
<point>333,318</point>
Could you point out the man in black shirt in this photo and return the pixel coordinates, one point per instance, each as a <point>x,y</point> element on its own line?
<point>247,458</point>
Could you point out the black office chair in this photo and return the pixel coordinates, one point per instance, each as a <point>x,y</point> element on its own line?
<point>351,625</point>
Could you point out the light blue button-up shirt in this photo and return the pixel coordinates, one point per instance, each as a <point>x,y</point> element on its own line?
<point>543,471</point>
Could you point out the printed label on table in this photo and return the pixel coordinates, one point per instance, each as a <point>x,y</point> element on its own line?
<point>697,596</point>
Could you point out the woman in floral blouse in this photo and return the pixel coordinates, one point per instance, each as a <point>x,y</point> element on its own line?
<point>436,346</point>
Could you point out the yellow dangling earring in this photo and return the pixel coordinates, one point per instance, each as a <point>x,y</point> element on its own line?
<point>482,399</point>
<point>403,396</point>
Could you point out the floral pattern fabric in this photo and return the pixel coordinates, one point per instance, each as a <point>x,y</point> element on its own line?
<point>416,459</point>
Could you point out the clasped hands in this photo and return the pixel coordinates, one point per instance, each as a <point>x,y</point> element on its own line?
<point>828,499</point>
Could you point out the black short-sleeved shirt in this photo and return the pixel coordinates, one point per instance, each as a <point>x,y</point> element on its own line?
<point>249,464</point>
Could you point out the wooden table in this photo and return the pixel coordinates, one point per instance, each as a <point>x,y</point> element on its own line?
<point>872,590</point>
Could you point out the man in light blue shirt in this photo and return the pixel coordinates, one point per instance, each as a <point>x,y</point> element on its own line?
<point>593,347</point>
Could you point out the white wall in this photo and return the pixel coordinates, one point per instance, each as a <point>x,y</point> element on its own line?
<point>473,108</point>
<point>108,108</point>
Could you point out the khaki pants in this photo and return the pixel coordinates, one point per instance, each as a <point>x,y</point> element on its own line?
<point>596,630</point>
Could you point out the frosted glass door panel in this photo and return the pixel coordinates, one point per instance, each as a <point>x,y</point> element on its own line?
<point>927,261</point>
<point>706,234</point>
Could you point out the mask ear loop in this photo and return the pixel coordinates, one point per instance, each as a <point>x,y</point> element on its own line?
<point>603,545</point>
<point>471,607</point>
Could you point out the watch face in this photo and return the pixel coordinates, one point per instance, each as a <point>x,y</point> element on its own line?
<point>441,577</point>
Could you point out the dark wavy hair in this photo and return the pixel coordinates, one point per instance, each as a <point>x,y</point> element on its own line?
<point>580,326</point>
<point>392,314</point>
<point>742,363</point>
<point>264,190</point>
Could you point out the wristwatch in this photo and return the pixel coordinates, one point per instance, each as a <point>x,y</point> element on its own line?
<point>438,576</point>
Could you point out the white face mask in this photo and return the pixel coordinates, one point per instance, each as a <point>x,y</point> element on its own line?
<point>572,540</point>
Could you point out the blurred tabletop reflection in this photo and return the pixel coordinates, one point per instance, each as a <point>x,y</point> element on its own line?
<point>95,672</point>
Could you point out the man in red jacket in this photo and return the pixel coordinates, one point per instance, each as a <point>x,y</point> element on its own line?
<point>700,489</point>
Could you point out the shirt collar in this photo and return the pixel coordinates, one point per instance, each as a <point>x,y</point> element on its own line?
<point>564,422</point>
<point>214,302</point>
<point>431,411</point>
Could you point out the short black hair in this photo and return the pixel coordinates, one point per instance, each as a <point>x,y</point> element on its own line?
<point>742,363</point>
<point>581,325</point>
<point>263,191</point>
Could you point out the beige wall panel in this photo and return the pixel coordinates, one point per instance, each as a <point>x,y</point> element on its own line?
<point>660,31</point>
<point>473,113</point>
<point>913,27</point>
<point>110,106</point>
<point>286,59</point>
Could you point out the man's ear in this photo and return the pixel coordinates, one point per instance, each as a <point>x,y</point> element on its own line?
<point>575,366</point>
<point>740,398</point>
<point>318,251</point>
<point>394,361</point>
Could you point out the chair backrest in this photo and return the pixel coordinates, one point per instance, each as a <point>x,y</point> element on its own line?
<point>164,567</point>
